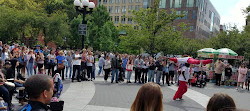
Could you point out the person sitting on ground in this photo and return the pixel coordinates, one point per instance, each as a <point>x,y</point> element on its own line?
<point>40,90</point>
<point>221,102</point>
<point>149,98</point>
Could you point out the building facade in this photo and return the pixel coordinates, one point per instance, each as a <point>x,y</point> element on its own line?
<point>202,19</point>
<point>120,10</point>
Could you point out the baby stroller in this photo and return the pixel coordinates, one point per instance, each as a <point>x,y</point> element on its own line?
<point>201,81</point>
<point>56,104</point>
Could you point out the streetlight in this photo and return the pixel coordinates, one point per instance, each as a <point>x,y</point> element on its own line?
<point>81,6</point>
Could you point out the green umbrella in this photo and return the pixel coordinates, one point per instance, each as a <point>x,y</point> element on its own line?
<point>206,50</point>
<point>225,51</point>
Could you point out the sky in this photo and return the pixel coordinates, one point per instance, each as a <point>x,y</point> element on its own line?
<point>231,12</point>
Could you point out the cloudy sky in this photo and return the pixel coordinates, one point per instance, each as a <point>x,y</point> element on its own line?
<point>231,11</point>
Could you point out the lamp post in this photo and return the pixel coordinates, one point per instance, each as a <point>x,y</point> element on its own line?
<point>81,6</point>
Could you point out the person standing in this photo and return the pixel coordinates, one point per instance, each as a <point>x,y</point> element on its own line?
<point>76,66</point>
<point>219,66</point>
<point>242,71</point>
<point>40,62</point>
<point>129,68</point>
<point>159,65</point>
<point>124,64</point>
<point>101,64</point>
<point>90,61</point>
<point>84,64</point>
<point>145,65</point>
<point>171,71</point>
<point>30,60</point>
<point>115,67</point>
<point>60,64</point>
<point>138,65</point>
<point>51,62</point>
<point>183,79</point>
<point>107,67</point>
<point>165,72</point>
<point>151,71</point>
<point>69,66</point>
<point>228,74</point>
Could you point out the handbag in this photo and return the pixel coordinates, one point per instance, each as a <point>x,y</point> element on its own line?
<point>60,66</point>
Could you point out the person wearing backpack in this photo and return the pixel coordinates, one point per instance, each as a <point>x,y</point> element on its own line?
<point>39,97</point>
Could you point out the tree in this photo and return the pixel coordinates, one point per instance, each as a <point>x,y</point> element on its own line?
<point>152,23</point>
<point>96,21</point>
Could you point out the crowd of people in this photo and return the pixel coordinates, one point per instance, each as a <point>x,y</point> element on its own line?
<point>19,62</point>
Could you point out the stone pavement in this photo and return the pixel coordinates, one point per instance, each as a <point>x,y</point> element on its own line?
<point>99,96</point>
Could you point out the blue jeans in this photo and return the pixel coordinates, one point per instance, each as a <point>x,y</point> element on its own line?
<point>158,76</point>
<point>151,75</point>
<point>115,75</point>
<point>6,95</point>
<point>100,70</point>
<point>30,68</point>
<point>70,71</point>
<point>129,73</point>
<point>124,70</point>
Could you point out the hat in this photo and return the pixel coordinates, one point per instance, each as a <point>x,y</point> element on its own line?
<point>7,63</point>
<point>37,45</point>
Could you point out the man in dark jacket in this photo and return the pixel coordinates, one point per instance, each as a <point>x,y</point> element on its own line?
<point>115,65</point>
<point>228,74</point>
<point>39,97</point>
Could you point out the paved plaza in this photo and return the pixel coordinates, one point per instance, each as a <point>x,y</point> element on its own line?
<point>100,96</point>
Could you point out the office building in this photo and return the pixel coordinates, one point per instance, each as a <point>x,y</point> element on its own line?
<point>202,19</point>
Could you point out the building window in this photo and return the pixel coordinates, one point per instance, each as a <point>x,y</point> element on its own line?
<point>177,3</point>
<point>124,9</point>
<point>116,19</point>
<point>104,1</point>
<point>190,3</point>
<point>131,1</point>
<point>123,19</point>
<point>145,4</point>
<point>111,9</point>
<point>210,14</point>
<point>124,1</point>
<point>197,3</point>
<point>191,28</point>
<point>162,4</point>
<point>117,9</point>
<point>212,22</point>
<point>117,1</point>
<point>205,8</point>
<point>130,20</point>
<point>186,14</point>
<point>138,1</point>
<point>111,1</point>
<point>111,18</point>
<point>193,17</point>
<point>202,5</point>
<point>171,3</point>
<point>137,7</point>
<point>130,8</point>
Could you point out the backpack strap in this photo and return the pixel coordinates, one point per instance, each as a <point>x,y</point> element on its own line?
<point>27,108</point>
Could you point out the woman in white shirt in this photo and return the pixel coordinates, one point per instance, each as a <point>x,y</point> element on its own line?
<point>183,79</point>
<point>107,67</point>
